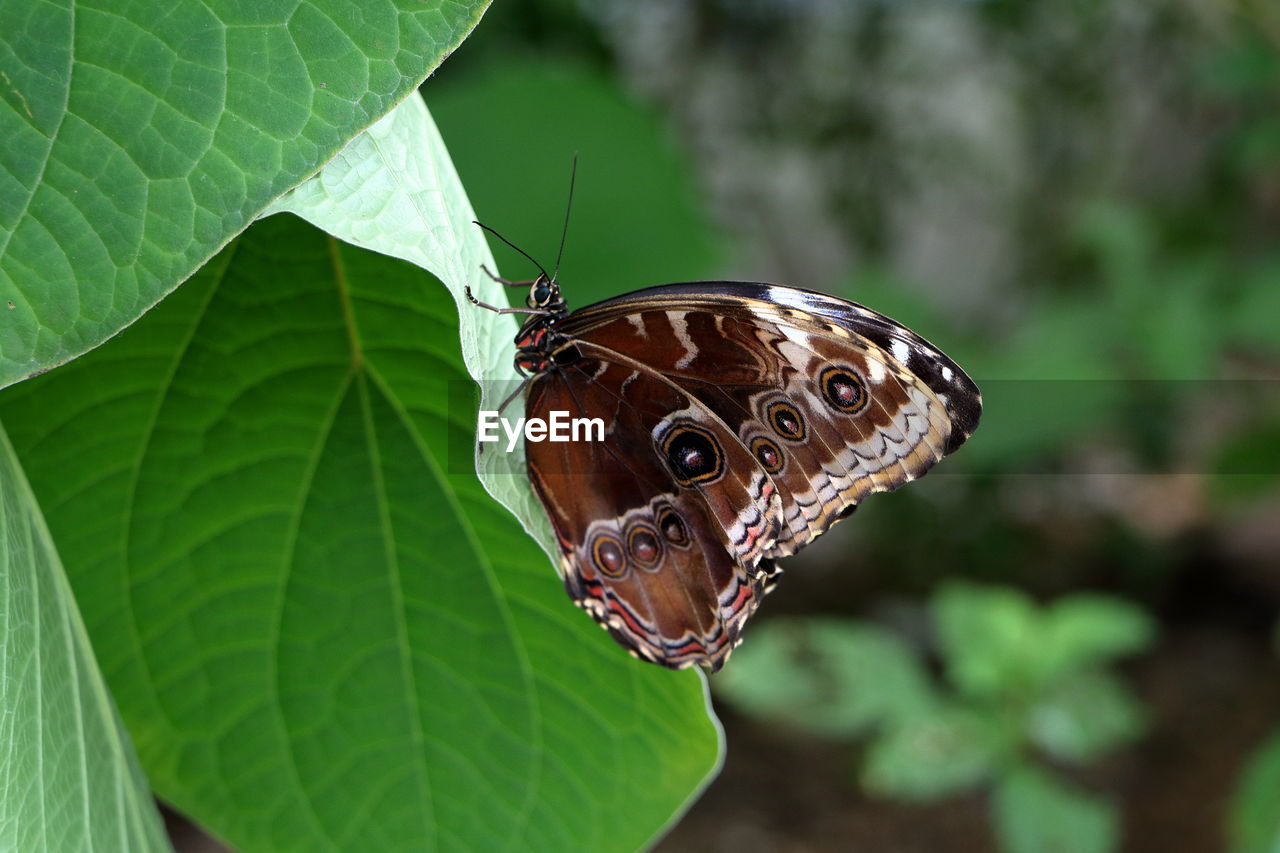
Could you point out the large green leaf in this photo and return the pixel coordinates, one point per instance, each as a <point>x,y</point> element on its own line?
<point>68,776</point>
<point>322,631</point>
<point>140,137</point>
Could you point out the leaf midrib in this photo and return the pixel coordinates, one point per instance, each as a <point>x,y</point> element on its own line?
<point>500,599</point>
<point>421,771</point>
<point>469,536</point>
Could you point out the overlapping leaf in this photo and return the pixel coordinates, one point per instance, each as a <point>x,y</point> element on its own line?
<point>140,138</point>
<point>68,776</point>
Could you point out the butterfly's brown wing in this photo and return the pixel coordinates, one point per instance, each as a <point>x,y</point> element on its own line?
<point>833,400</point>
<point>663,526</point>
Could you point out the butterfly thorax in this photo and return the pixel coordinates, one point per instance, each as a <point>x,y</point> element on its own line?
<point>539,347</point>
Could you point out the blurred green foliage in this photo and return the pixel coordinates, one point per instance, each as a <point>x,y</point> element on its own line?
<point>1025,685</point>
<point>1255,815</point>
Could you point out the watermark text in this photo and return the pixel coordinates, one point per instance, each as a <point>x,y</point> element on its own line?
<point>558,426</point>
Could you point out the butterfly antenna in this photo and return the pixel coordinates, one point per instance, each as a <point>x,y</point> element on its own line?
<point>564,232</point>
<point>512,245</point>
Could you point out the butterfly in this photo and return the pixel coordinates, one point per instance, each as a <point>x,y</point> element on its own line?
<point>740,421</point>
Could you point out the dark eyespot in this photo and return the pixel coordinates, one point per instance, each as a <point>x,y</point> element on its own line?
<point>608,557</point>
<point>692,454</point>
<point>843,390</point>
<point>643,545</point>
<point>673,529</point>
<point>786,421</point>
<point>768,454</point>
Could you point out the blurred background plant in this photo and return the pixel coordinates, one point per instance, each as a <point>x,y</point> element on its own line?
<point>1022,682</point>
<point>1079,202</point>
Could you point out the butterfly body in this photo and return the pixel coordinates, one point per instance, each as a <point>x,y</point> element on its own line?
<point>742,420</point>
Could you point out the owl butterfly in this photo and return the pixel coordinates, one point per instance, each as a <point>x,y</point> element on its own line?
<point>741,421</point>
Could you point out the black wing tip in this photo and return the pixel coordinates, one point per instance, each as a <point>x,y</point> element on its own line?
<point>965,416</point>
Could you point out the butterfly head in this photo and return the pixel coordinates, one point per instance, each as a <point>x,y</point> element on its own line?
<point>544,295</point>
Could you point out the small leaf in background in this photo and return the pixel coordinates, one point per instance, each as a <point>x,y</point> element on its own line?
<point>137,143</point>
<point>989,637</point>
<point>937,754</point>
<point>1035,813</point>
<point>68,776</point>
<point>1255,809</point>
<point>1084,716</point>
<point>1085,630</point>
<point>828,676</point>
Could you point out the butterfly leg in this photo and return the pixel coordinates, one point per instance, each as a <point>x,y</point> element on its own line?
<point>498,310</point>
<point>516,393</point>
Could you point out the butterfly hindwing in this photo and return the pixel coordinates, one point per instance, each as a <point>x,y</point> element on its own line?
<point>664,525</point>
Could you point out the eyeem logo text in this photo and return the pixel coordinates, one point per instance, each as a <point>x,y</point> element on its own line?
<point>558,427</point>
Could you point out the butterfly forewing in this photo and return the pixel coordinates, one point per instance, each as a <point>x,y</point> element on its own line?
<point>829,412</point>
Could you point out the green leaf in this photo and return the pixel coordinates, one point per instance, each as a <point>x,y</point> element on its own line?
<point>834,677</point>
<point>139,139</point>
<point>997,642</point>
<point>321,630</point>
<point>1255,808</point>
<point>1085,630</point>
<point>1084,716</point>
<point>68,776</point>
<point>936,755</point>
<point>989,636</point>
<point>1035,813</point>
